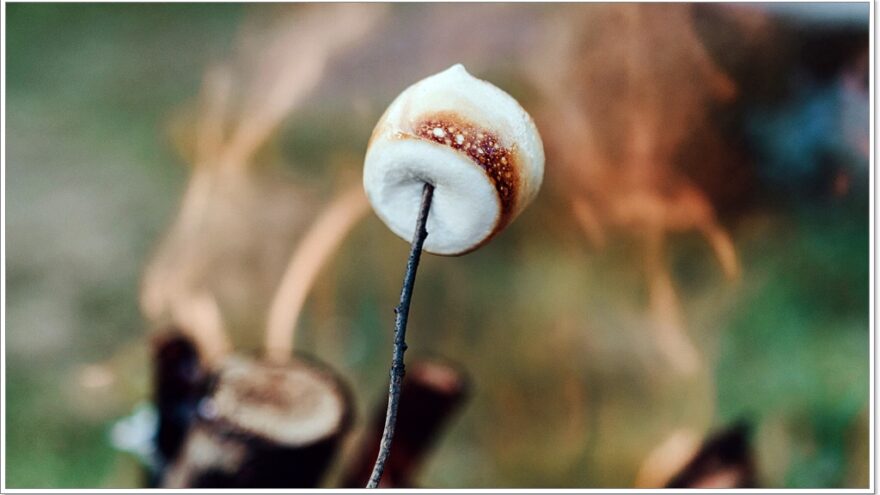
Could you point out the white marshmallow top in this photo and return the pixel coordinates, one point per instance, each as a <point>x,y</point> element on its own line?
<point>469,139</point>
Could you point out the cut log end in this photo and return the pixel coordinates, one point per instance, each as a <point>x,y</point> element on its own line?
<point>293,405</point>
<point>265,426</point>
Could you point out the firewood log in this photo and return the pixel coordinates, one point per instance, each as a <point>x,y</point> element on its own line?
<point>725,460</point>
<point>264,426</point>
<point>432,392</point>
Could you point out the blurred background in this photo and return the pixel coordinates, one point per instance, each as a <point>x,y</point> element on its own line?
<point>698,255</point>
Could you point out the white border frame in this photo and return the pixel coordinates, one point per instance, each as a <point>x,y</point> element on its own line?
<point>872,293</point>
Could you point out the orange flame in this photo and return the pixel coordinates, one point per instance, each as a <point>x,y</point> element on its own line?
<point>630,84</point>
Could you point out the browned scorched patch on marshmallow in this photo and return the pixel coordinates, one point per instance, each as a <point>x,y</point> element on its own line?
<point>483,148</point>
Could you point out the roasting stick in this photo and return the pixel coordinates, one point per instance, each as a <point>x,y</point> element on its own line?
<point>402,316</point>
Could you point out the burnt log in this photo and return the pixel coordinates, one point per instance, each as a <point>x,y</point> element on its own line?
<point>431,393</point>
<point>725,460</point>
<point>179,383</point>
<point>264,426</point>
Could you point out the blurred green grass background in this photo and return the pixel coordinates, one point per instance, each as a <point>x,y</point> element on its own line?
<point>568,388</point>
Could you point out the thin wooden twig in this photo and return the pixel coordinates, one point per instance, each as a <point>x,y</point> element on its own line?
<point>402,314</point>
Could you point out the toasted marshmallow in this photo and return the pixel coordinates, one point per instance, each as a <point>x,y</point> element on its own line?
<point>470,140</point>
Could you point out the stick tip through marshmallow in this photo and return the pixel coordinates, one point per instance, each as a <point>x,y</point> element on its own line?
<point>469,139</point>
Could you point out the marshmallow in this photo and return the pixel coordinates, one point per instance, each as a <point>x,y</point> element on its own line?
<point>470,140</point>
